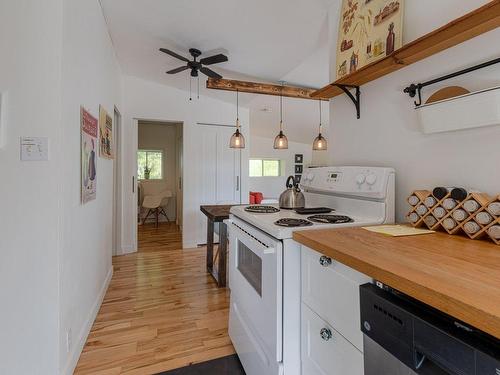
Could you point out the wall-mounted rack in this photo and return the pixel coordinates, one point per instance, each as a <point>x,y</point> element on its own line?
<point>415,89</point>
<point>477,22</point>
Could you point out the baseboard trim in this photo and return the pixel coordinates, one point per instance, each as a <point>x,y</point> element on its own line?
<point>84,332</point>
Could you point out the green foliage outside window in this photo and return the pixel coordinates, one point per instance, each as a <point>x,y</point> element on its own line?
<point>149,164</point>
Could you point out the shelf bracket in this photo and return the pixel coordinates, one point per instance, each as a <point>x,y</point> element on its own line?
<point>356,98</point>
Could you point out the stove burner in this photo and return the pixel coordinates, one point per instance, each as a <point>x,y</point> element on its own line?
<point>262,209</point>
<point>293,222</point>
<point>330,219</point>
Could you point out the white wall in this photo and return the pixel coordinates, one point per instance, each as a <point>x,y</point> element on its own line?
<point>30,72</point>
<point>261,147</point>
<point>90,77</point>
<point>152,101</point>
<point>387,133</point>
<point>161,136</point>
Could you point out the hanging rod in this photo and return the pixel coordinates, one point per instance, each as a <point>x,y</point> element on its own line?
<point>415,89</point>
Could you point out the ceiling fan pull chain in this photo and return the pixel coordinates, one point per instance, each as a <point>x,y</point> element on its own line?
<point>198,87</point>
<point>190,95</point>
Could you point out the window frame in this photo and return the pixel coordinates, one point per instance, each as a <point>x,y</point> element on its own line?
<point>162,163</point>
<point>281,167</point>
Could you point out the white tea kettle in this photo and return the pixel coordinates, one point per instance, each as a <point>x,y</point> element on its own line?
<point>292,197</point>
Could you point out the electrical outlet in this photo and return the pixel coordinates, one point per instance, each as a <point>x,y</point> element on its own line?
<point>68,340</point>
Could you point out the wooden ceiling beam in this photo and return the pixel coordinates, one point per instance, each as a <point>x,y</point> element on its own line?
<point>261,88</point>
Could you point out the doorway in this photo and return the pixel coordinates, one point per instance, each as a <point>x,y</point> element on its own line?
<point>160,187</point>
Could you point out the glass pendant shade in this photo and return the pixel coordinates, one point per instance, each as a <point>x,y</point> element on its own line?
<point>320,143</point>
<point>237,140</point>
<point>281,141</point>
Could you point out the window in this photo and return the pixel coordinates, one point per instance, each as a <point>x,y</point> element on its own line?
<point>149,164</point>
<point>265,167</point>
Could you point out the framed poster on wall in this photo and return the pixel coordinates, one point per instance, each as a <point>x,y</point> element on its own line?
<point>369,30</point>
<point>105,134</point>
<point>88,155</point>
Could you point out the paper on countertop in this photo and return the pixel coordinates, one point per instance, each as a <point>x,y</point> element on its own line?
<point>398,230</point>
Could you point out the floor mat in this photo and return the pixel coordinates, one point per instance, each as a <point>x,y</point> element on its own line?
<point>229,365</point>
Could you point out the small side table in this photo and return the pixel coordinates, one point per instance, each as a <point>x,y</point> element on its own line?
<point>217,214</point>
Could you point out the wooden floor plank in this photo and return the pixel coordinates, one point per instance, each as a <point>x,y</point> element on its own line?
<point>162,311</point>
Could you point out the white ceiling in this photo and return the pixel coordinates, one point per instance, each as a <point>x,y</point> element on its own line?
<point>264,40</point>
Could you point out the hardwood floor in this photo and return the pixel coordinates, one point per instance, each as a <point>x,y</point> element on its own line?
<point>162,311</point>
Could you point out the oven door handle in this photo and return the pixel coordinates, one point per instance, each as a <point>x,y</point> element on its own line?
<point>257,246</point>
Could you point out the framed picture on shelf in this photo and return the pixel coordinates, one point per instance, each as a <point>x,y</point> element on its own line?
<point>299,158</point>
<point>298,169</point>
<point>298,177</point>
<point>369,30</point>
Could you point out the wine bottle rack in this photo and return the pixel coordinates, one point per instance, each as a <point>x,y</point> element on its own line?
<point>436,215</point>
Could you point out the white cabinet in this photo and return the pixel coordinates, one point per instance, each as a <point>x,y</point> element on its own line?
<point>331,289</point>
<point>325,351</point>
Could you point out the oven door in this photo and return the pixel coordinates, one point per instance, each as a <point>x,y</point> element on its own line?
<point>256,283</point>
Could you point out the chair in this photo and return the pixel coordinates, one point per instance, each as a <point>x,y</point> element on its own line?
<point>156,205</point>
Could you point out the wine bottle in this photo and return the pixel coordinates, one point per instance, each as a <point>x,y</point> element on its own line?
<point>471,205</point>
<point>421,210</point>
<point>413,217</point>
<point>430,221</point>
<point>449,223</point>
<point>459,194</point>
<point>449,203</point>
<point>484,218</point>
<point>494,208</point>
<point>440,192</point>
<point>430,201</point>
<point>439,212</point>
<point>494,232</point>
<point>460,215</point>
<point>472,227</point>
<point>413,200</point>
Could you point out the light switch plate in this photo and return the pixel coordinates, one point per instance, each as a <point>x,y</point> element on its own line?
<point>34,148</point>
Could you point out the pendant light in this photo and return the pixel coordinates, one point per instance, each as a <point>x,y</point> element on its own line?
<point>237,139</point>
<point>281,141</point>
<point>320,143</point>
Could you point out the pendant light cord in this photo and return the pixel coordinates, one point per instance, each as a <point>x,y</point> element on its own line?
<point>319,116</point>
<point>281,107</point>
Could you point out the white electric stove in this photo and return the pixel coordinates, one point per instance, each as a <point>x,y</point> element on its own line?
<point>264,261</point>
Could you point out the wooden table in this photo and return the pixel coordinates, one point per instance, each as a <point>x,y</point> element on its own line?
<point>454,274</point>
<point>217,214</point>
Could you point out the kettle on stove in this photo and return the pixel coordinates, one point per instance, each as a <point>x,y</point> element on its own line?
<point>292,197</point>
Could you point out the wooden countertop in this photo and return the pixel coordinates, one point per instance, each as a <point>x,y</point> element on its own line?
<point>458,276</point>
<point>217,213</point>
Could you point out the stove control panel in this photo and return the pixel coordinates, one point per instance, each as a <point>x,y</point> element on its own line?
<point>371,182</point>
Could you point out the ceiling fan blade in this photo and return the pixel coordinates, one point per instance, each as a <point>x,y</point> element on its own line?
<point>177,70</point>
<point>210,73</point>
<point>215,59</point>
<point>173,54</point>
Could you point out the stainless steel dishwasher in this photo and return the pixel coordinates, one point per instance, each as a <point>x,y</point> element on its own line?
<point>405,337</point>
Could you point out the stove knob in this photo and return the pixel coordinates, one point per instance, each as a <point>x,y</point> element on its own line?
<point>371,179</point>
<point>360,179</point>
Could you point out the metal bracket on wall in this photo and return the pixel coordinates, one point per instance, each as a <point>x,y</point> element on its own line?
<point>356,98</point>
<point>415,89</point>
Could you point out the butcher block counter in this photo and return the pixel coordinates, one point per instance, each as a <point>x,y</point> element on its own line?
<point>458,276</point>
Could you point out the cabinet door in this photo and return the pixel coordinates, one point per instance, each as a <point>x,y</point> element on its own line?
<point>325,351</point>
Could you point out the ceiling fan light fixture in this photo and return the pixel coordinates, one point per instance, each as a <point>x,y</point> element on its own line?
<point>320,143</point>
<point>237,139</point>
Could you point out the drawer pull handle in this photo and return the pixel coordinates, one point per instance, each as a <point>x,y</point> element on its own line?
<point>325,334</point>
<point>325,261</point>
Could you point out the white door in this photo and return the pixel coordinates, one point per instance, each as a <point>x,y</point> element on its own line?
<point>219,171</point>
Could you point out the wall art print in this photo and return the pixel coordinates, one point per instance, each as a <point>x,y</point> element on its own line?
<point>369,30</point>
<point>105,134</point>
<point>88,155</point>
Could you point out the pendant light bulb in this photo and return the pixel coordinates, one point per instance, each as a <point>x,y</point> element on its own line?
<point>237,139</point>
<point>281,141</point>
<point>320,143</point>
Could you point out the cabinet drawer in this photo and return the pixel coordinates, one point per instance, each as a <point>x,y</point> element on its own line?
<point>325,351</point>
<point>332,291</point>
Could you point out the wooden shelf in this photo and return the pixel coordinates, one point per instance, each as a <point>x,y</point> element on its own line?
<point>475,23</point>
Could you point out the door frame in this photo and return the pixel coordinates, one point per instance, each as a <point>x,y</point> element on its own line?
<point>117,178</point>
